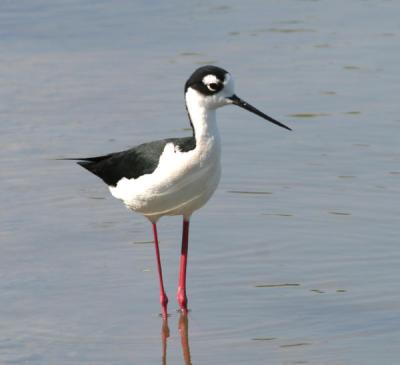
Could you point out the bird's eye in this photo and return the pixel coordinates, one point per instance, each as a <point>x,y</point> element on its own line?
<point>213,86</point>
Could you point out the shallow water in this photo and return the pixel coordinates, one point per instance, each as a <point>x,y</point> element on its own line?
<point>296,258</point>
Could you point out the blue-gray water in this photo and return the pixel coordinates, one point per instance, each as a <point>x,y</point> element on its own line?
<point>81,78</point>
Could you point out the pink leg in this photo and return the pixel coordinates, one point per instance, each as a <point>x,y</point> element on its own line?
<point>181,294</point>
<point>163,296</point>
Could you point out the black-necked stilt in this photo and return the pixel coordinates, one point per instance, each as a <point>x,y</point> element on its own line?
<point>175,176</point>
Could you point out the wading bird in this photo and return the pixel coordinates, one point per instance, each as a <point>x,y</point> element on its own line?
<point>175,176</point>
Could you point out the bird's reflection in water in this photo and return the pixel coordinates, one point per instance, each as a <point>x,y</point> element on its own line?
<point>164,336</point>
<point>183,332</point>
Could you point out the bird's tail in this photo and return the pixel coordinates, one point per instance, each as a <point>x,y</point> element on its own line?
<point>93,164</point>
<point>83,159</point>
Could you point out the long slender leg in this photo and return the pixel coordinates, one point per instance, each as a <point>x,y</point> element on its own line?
<point>181,294</point>
<point>163,296</point>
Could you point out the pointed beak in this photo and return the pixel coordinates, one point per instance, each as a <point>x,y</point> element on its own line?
<point>243,104</point>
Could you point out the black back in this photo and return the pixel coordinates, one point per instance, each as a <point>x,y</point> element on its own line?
<point>132,163</point>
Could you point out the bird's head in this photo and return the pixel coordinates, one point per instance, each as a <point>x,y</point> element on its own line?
<point>212,87</point>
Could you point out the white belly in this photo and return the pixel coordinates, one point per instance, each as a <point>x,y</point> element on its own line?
<point>182,183</point>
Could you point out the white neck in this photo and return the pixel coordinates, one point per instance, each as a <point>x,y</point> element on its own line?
<point>203,118</point>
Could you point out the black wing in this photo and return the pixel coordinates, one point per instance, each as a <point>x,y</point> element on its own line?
<point>134,162</point>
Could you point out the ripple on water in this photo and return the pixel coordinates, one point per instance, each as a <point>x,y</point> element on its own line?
<point>291,30</point>
<point>249,192</point>
<point>309,115</point>
<point>206,62</point>
<point>190,54</point>
<point>351,67</point>
<point>264,338</point>
<point>279,214</point>
<point>328,92</point>
<point>280,285</point>
<point>143,242</point>
<point>296,344</point>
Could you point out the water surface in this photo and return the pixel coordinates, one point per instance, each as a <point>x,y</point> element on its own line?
<point>296,258</point>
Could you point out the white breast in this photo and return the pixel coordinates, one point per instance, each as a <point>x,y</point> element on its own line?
<point>182,182</point>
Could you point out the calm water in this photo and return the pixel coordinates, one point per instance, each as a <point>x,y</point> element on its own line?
<point>295,260</point>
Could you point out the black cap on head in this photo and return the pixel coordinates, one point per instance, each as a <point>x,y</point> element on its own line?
<point>195,81</point>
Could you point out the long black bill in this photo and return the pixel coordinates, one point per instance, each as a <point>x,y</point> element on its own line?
<point>243,104</point>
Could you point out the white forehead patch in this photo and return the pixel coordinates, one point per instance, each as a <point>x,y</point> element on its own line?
<point>209,79</point>
<point>228,85</point>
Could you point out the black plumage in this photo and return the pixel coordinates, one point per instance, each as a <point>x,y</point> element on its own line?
<point>132,163</point>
